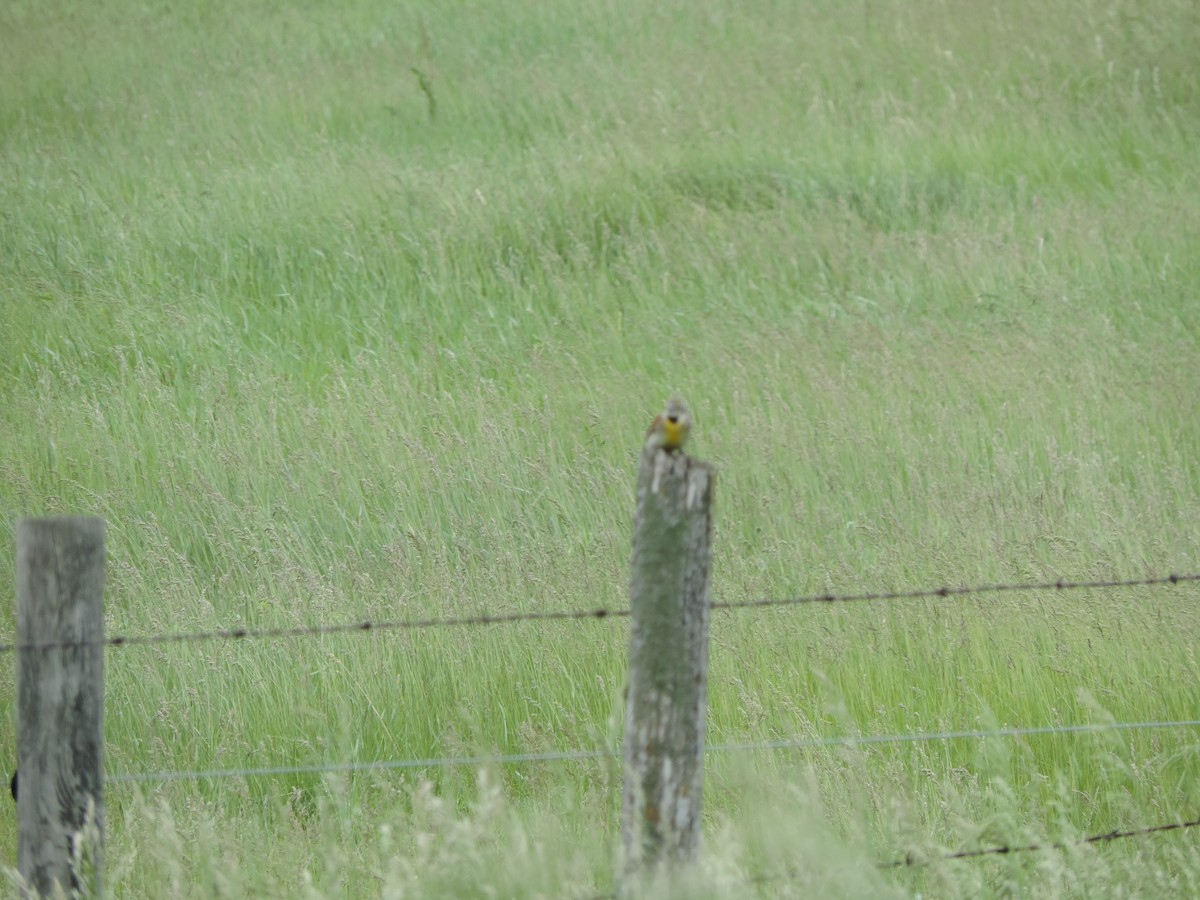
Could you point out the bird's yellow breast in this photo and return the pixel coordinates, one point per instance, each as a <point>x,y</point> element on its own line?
<point>674,433</point>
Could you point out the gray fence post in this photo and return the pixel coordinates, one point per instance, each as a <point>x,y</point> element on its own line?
<point>60,695</point>
<point>668,663</point>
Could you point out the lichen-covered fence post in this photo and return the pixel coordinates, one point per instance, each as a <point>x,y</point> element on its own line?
<point>668,663</point>
<point>60,697</point>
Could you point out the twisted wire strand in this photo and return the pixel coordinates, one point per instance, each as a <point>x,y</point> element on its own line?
<point>913,861</point>
<point>551,615</point>
<point>910,860</point>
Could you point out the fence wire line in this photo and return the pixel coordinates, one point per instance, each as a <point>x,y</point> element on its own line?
<point>912,860</point>
<point>504,618</point>
<point>574,755</point>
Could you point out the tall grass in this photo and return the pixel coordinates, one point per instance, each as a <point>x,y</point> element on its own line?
<point>358,313</point>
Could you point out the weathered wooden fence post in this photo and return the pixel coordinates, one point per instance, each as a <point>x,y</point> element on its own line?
<point>60,691</point>
<point>668,663</point>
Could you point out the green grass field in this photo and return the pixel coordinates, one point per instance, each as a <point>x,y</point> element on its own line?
<point>360,312</point>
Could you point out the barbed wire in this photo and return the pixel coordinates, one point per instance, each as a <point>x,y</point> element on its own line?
<point>602,613</point>
<point>911,861</point>
<point>186,637</point>
<point>579,755</point>
<point>1060,585</point>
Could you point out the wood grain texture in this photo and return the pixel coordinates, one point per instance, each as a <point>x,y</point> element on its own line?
<point>60,697</point>
<point>668,663</point>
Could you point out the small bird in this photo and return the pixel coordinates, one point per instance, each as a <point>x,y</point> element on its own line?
<point>670,429</point>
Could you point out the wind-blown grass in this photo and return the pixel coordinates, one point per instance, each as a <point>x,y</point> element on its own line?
<point>321,348</point>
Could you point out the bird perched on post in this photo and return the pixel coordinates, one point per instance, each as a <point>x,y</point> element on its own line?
<point>670,429</point>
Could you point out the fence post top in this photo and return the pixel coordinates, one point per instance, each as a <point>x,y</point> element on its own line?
<point>79,521</point>
<point>697,476</point>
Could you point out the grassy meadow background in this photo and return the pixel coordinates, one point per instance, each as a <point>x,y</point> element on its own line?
<point>346,311</point>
